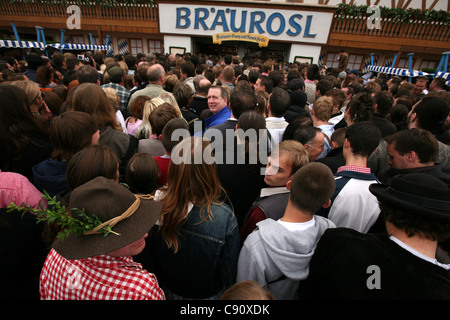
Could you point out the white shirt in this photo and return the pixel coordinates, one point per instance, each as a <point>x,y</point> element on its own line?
<point>298,226</point>
<point>419,254</point>
<point>276,127</point>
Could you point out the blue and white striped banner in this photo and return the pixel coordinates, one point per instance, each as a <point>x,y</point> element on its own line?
<point>21,44</point>
<point>321,59</point>
<point>367,63</point>
<point>110,51</point>
<point>123,46</point>
<point>406,73</point>
<point>397,71</point>
<point>83,47</point>
<point>445,75</point>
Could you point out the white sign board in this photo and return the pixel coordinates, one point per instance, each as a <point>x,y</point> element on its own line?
<point>284,25</point>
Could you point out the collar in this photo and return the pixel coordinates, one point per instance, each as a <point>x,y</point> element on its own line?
<point>354,169</point>
<point>275,119</point>
<point>265,192</point>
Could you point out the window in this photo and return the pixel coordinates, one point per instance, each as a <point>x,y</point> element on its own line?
<point>355,61</point>
<point>428,64</point>
<point>136,46</point>
<point>404,64</point>
<point>154,46</point>
<point>332,60</point>
<point>77,39</point>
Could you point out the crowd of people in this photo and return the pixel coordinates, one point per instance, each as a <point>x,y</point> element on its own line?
<point>191,176</point>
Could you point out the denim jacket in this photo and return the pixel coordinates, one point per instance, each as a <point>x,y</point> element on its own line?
<point>206,261</point>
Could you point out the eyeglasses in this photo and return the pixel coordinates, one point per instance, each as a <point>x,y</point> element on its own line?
<point>322,146</point>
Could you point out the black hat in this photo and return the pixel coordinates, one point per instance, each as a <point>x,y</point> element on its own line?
<point>34,61</point>
<point>417,193</point>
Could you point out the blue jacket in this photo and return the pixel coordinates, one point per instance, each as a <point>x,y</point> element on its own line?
<point>206,261</point>
<point>218,118</point>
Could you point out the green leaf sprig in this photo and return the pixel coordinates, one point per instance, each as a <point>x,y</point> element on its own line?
<point>74,221</point>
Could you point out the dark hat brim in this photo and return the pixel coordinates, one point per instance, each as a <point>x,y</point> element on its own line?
<point>131,229</point>
<point>425,207</point>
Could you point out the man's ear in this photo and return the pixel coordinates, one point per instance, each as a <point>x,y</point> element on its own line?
<point>346,143</point>
<point>327,204</point>
<point>288,184</point>
<point>411,156</point>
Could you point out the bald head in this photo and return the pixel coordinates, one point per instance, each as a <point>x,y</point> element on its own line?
<point>203,87</point>
<point>156,74</point>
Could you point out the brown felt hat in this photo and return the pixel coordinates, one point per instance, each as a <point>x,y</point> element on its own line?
<point>107,200</point>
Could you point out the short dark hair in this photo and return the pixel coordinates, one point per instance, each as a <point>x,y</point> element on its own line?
<point>58,58</point>
<point>422,142</point>
<point>305,134</point>
<point>279,102</point>
<point>323,86</point>
<point>439,82</point>
<point>87,74</point>
<point>364,137</point>
<point>253,75</point>
<point>267,82</point>
<point>142,173</point>
<point>277,77</point>
<point>188,68</point>
<point>385,101</point>
<point>312,186</point>
<point>361,107</point>
<point>431,114</point>
<point>242,99</point>
<point>169,128</point>
<point>159,117</point>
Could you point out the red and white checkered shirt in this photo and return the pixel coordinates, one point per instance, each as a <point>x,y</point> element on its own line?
<point>354,168</point>
<point>98,278</point>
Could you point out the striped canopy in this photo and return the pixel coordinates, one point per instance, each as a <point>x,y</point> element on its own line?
<point>21,44</point>
<point>74,46</point>
<point>406,73</point>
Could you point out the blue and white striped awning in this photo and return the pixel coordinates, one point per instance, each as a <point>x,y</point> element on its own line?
<point>406,73</point>
<point>21,44</point>
<point>397,71</point>
<point>445,75</point>
<point>74,46</point>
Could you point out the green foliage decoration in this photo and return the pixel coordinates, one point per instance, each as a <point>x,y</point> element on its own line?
<point>102,3</point>
<point>397,15</point>
<point>74,221</point>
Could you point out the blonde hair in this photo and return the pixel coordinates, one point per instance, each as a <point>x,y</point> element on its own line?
<point>31,89</point>
<point>188,182</point>
<point>113,97</point>
<point>145,130</point>
<point>323,108</point>
<point>170,99</point>
<point>247,290</point>
<point>295,152</point>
